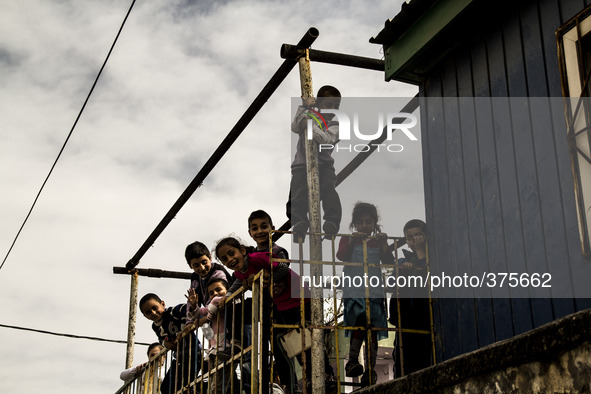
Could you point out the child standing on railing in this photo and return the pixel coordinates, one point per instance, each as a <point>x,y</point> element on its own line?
<point>246,263</point>
<point>364,224</point>
<point>329,98</point>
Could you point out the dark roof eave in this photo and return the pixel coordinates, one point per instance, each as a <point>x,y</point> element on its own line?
<point>409,13</point>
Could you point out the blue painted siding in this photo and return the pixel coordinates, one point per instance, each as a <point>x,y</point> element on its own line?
<point>499,190</point>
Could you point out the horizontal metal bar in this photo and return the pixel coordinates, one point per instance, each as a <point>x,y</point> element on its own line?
<point>152,273</point>
<point>289,51</point>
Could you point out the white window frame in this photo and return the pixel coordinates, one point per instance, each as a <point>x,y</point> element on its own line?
<point>578,113</point>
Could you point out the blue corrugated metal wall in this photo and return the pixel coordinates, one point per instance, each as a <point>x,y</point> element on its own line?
<point>503,187</point>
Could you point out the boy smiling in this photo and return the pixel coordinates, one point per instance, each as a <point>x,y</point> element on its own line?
<point>259,226</point>
<point>199,259</point>
<point>167,323</point>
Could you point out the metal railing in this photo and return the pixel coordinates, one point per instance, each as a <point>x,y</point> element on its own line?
<point>251,360</point>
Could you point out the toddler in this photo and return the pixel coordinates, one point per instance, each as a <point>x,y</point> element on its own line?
<point>218,344</point>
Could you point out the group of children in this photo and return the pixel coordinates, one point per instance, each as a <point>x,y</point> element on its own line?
<point>212,283</point>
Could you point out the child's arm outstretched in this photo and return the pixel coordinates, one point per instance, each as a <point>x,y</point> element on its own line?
<point>234,287</point>
<point>132,373</point>
<point>281,270</point>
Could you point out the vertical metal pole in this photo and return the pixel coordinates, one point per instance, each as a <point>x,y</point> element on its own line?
<point>318,375</point>
<point>335,318</point>
<point>431,322</point>
<point>132,320</point>
<point>255,354</point>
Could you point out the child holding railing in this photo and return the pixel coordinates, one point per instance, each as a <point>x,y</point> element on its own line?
<point>218,344</point>
<point>145,372</point>
<point>246,263</point>
<point>364,223</point>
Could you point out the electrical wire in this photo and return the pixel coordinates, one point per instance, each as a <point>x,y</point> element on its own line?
<point>69,335</point>
<point>69,135</point>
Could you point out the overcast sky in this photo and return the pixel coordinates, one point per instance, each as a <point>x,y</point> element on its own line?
<point>181,75</point>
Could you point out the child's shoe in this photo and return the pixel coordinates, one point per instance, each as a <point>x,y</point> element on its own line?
<point>365,381</point>
<point>353,369</point>
<point>299,230</point>
<point>330,228</point>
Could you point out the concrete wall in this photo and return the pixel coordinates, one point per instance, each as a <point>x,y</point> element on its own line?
<point>554,358</point>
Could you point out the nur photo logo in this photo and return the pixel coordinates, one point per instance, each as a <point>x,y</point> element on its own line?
<point>352,138</point>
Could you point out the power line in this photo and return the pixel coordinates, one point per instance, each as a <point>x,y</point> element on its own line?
<point>69,335</point>
<point>69,135</point>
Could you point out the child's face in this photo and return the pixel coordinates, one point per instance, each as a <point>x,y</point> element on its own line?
<point>201,265</point>
<point>232,257</point>
<point>414,236</point>
<point>365,224</point>
<point>328,102</point>
<point>216,289</point>
<point>153,310</point>
<point>154,351</point>
<point>259,229</point>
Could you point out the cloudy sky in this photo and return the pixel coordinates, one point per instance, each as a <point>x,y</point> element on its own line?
<point>180,76</point>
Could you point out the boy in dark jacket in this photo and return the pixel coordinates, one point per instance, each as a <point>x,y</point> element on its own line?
<point>167,323</point>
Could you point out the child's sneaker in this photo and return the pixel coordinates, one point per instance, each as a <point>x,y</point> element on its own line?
<point>299,230</point>
<point>353,369</point>
<point>330,228</point>
<point>276,389</point>
<point>365,382</point>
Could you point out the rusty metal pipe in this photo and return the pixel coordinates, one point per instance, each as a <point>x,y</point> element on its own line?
<point>264,95</point>
<point>152,273</point>
<point>132,320</point>
<point>294,52</point>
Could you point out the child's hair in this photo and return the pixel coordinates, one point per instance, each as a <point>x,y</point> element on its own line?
<point>196,250</point>
<point>231,241</point>
<point>416,223</point>
<point>328,97</point>
<point>152,346</point>
<point>148,297</point>
<point>260,214</point>
<point>328,91</point>
<point>362,208</point>
<point>216,280</point>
